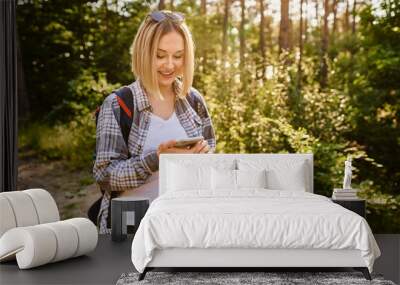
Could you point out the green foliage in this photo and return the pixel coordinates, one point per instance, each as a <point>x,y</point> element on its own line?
<point>73,142</point>
<point>383,210</point>
<point>61,39</point>
<point>76,52</point>
<point>369,74</point>
<point>376,92</point>
<point>258,119</point>
<point>86,92</point>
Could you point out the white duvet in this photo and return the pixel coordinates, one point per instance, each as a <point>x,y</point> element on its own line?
<point>253,218</point>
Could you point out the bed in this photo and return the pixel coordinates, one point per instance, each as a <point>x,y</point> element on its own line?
<point>247,210</point>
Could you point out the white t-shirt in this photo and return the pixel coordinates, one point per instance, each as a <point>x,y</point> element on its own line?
<point>160,130</point>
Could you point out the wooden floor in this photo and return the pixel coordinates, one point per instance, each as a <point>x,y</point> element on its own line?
<point>110,260</point>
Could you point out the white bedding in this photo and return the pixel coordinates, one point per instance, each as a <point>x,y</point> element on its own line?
<point>251,218</point>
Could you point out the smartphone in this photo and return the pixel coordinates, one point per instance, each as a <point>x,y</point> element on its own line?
<point>188,142</point>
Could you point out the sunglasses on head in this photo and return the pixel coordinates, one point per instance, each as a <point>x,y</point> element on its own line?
<point>160,16</point>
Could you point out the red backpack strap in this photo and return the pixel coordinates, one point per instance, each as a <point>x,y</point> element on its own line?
<point>125,101</point>
<point>124,107</point>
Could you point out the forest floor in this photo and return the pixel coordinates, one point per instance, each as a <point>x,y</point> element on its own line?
<point>73,190</point>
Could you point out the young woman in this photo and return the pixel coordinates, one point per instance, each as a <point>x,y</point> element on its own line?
<point>163,64</point>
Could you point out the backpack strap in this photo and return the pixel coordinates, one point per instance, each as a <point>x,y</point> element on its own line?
<point>125,101</point>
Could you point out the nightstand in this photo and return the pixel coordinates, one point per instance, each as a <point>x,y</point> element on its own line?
<point>123,211</point>
<point>356,205</point>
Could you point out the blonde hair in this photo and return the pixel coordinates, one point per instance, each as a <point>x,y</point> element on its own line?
<point>144,52</point>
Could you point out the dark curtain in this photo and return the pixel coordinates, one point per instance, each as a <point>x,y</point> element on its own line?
<point>8,96</point>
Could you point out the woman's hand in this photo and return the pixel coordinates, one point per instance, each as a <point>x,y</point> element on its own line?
<point>200,147</point>
<point>169,147</point>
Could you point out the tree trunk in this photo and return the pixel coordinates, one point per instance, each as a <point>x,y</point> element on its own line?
<point>203,11</point>
<point>262,39</point>
<point>225,33</point>
<point>306,24</point>
<point>324,47</point>
<point>203,7</point>
<point>290,34</point>
<point>353,26</point>
<point>284,26</point>
<point>171,5</point>
<point>347,17</point>
<point>241,34</point>
<point>334,9</point>
<point>105,8</point>
<point>242,40</point>
<point>299,70</point>
<point>269,32</point>
<point>161,5</point>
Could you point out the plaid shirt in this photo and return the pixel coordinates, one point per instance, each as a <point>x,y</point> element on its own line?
<point>114,169</point>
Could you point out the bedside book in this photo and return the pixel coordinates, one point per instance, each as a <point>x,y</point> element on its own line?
<point>334,197</point>
<point>340,190</point>
<point>344,194</point>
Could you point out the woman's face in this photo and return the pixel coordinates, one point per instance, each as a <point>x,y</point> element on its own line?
<point>170,57</point>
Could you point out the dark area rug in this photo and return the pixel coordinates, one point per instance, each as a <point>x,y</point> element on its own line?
<point>230,278</point>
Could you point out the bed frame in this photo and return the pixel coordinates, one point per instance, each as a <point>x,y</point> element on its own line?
<point>246,258</point>
<point>242,259</point>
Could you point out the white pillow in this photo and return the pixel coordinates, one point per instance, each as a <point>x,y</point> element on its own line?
<point>282,174</point>
<point>183,177</point>
<point>230,180</point>
<point>290,177</point>
<point>223,179</point>
<point>251,178</point>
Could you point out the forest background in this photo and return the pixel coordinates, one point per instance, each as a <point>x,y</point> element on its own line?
<point>320,76</point>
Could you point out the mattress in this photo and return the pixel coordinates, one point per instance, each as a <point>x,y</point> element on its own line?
<point>250,219</point>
